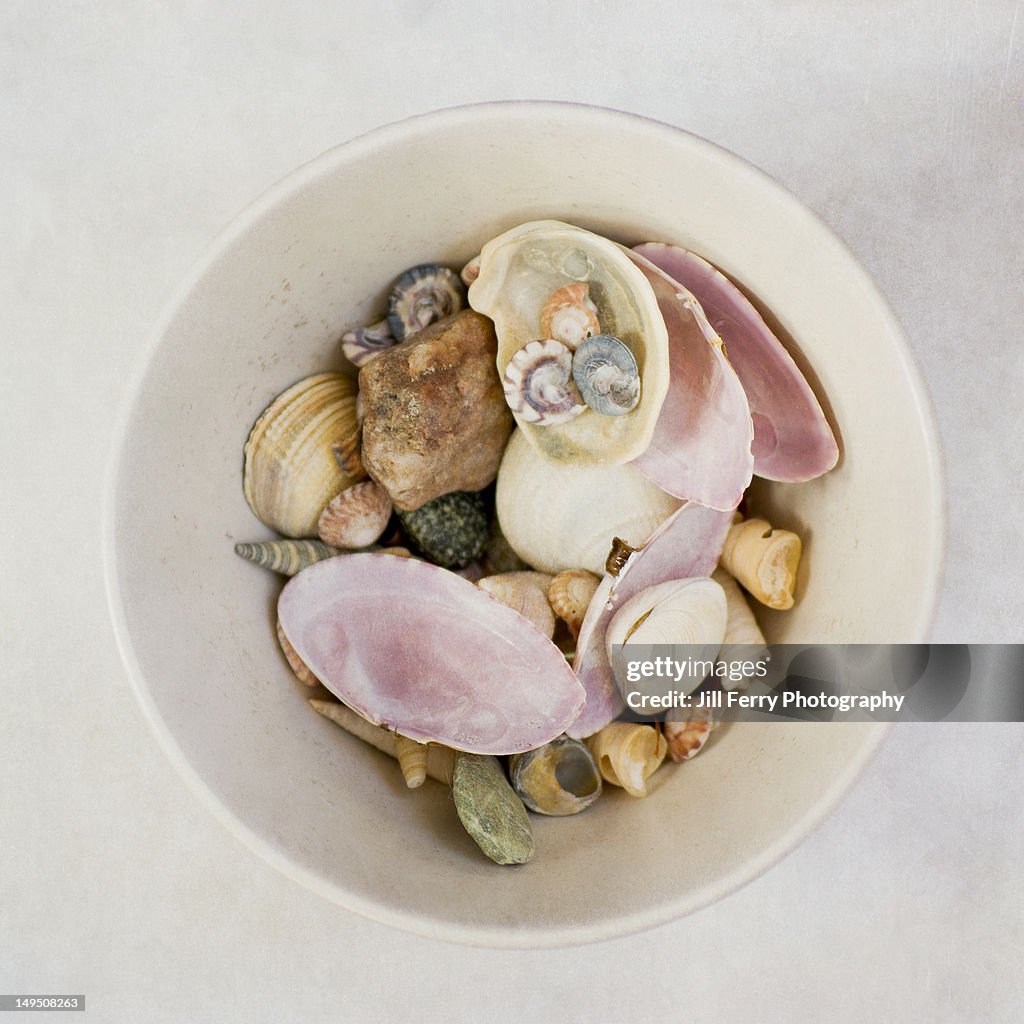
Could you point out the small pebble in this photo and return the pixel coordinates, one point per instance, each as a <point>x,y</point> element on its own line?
<point>489,809</point>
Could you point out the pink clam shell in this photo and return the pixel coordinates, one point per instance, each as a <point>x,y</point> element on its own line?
<point>687,544</point>
<point>700,450</point>
<point>414,647</point>
<point>792,439</point>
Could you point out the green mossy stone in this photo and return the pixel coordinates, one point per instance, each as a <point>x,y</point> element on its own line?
<point>489,809</point>
<point>449,531</point>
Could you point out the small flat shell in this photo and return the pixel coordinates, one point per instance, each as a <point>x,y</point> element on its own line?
<point>414,647</point>
<point>519,271</point>
<point>792,439</point>
<point>701,444</point>
<point>686,544</point>
<point>538,384</point>
<point>490,811</point>
<point>605,372</point>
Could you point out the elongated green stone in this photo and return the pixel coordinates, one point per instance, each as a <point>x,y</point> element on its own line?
<point>489,809</point>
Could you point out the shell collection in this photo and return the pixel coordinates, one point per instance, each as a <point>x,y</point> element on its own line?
<point>471,635</point>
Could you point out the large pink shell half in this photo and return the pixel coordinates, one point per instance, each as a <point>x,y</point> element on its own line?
<point>700,450</point>
<point>422,651</point>
<point>792,439</point>
<point>687,544</point>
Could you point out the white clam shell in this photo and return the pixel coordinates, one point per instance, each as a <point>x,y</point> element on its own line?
<point>520,271</point>
<point>560,516</point>
<point>688,611</point>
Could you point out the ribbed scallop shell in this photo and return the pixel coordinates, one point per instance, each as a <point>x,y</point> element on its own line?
<point>526,593</point>
<point>557,515</point>
<point>290,470</point>
<point>357,517</point>
<point>570,594</point>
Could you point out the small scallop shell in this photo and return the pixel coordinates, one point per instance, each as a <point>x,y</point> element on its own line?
<point>357,517</point>
<point>290,472</point>
<point>526,593</point>
<point>366,343</point>
<point>538,384</point>
<point>686,739</point>
<point>286,556</point>
<point>559,778</point>
<point>606,374</point>
<point>570,594</point>
<point>421,296</point>
<point>569,315</point>
<point>627,754</point>
<point>298,666</point>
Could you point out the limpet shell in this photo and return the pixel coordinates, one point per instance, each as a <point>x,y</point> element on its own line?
<point>526,593</point>
<point>558,779</point>
<point>286,556</point>
<point>570,594</point>
<point>421,296</point>
<point>357,517</point>
<point>290,472</point>
<point>519,272</point>
<point>569,315</point>
<point>558,515</point>
<point>450,531</point>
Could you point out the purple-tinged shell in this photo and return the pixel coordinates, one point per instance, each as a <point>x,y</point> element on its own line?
<point>701,444</point>
<point>414,647</point>
<point>422,296</point>
<point>792,439</point>
<point>538,383</point>
<point>366,343</point>
<point>687,544</point>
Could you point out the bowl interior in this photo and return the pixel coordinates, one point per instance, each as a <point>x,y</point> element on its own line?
<point>267,306</point>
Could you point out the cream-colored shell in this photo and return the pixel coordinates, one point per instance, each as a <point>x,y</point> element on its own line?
<point>290,471</point>
<point>743,641</point>
<point>570,594</point>
<point>627,754</point>
<point>519,272</point>
<point>526,593</point>
<point>764,561</point>
<point>686,739</point>
<point>560,516</point>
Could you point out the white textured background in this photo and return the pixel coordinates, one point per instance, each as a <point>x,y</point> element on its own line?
<point>131,131</point>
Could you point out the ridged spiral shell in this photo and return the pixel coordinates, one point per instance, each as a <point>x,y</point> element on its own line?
<point>290,471</point>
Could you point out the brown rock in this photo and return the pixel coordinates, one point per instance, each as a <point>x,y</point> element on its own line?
<point>435,414</point>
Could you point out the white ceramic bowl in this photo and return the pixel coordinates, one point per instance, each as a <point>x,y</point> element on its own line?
<point>266,306</point>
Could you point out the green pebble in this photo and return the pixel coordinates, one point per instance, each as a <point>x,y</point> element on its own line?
<point>489,809</point>
<point>449,531</point>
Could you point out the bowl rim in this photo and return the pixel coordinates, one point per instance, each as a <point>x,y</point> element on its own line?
<point>521,937</point>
